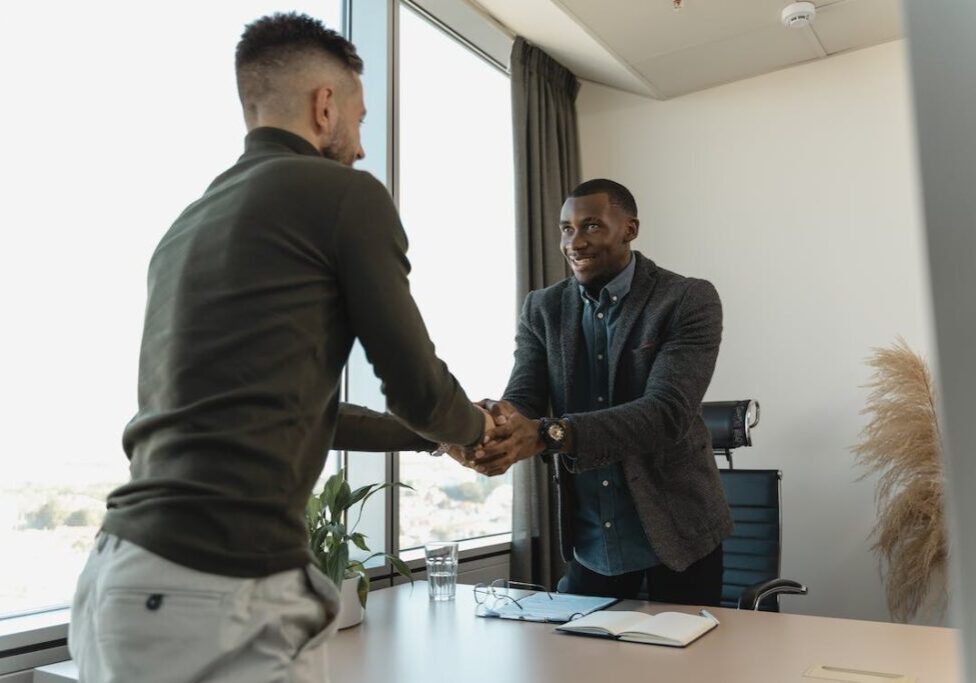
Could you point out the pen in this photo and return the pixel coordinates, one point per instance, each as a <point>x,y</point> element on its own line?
<point>706,613</point>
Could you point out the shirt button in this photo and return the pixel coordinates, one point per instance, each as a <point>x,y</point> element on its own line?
<point>607,524</point>
<point>599,356</point>
<point>606,483</point>
<point>600,316</point>
<point>613,298</point>
<point>600,399</point>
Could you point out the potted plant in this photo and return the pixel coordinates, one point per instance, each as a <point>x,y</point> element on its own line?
<point>330,533</point>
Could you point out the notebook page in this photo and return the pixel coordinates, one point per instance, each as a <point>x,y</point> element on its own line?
<point>675,626</point>
<point>614,622</point>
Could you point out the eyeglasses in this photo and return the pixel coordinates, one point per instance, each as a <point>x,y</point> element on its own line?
<point>497,593</point>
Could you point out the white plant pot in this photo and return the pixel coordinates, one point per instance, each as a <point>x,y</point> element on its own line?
<point>351,612</point>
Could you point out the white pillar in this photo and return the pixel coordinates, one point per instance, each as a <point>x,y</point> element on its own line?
<point>942,48</point>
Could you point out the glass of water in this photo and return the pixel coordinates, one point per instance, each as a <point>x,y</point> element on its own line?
<point>442,566</point>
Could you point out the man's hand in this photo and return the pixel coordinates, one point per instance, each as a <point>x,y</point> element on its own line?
<point>489,422</point>
<point>515,439</point>
<point>493,416</point>
<point>462,455</point>
<point>501,411</point>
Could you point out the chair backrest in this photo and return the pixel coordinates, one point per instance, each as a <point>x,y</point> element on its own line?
<point>752,552</point>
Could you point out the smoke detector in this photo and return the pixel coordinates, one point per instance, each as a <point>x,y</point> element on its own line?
<point>798,14</point>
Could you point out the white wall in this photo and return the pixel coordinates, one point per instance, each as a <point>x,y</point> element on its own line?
<point>796,194</point>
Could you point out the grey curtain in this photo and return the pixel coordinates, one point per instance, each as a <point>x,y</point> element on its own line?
<point>546,170</point>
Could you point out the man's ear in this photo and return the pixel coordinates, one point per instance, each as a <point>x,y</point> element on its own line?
<point>631,230</point>
<point>325,111</point>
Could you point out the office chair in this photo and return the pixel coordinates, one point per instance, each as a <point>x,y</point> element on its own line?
<point>751,555</point>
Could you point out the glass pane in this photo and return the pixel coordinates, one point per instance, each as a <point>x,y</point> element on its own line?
<point>371,21</point>
<point>457,204</point>
<point>126,111</point>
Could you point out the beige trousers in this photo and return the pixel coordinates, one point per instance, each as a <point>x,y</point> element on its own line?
<point>138,617</point>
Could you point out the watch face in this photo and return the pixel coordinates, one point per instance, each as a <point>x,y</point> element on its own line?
<point>556,432</point>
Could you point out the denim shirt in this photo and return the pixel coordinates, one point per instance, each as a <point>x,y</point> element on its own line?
<point>610,539</point>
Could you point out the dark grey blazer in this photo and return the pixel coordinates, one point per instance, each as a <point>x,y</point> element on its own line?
<point>661,361</point>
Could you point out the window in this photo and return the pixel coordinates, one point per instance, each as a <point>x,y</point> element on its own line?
<point>456,197</point>
<point>125,113</point>
<point>115,133</point>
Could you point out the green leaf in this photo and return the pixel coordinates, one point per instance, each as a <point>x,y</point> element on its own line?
<point>401,567</point>
<point>362,588</point>
<point>360,541</point>
<point>336,563</point>
<point>359,494</point>
<point>331,491</point>
<point>378,487</point>
<point>318,538</point>
<point>320,558</point>
<point>312,511</point>
<point>341,501</point>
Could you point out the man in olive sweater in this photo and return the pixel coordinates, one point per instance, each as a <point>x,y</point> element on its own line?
<point>256,295</point>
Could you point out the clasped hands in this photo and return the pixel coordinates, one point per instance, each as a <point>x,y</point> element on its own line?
<point>509,437</point>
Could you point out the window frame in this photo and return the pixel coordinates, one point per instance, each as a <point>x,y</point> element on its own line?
<point>480,34</point>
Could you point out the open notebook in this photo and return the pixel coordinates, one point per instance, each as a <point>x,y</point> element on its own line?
<point>676,629</point>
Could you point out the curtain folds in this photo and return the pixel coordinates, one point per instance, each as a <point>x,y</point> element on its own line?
<point>547,168</point>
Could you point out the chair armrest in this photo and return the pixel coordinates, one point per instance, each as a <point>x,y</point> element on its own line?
<point>752,595</point>
<point>730,422</point>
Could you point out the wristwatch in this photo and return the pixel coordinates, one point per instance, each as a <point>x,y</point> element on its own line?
<point>552,431</point>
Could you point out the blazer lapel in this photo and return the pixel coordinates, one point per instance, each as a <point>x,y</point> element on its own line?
<point>571,340</point>
<point>645,278</point>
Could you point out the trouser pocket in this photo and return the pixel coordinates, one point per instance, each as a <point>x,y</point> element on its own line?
<point>310,662</point>
<point>165,635</point>
<point>328,595</point>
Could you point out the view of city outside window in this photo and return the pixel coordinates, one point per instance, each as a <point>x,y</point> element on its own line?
<point>116,116</point>
<point>458,209</point>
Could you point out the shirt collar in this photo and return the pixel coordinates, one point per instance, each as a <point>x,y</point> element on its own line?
<point>617,288</point>
<point>278,136</point>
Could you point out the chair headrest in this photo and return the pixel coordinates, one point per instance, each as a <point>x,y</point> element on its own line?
<point>731,422</point>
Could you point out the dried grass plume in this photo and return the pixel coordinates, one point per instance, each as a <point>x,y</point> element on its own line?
<point>901,442</point>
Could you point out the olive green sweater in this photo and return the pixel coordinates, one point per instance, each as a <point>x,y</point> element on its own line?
<point>256,294</point>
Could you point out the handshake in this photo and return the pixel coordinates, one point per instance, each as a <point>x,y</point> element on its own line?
<point>509,437</point>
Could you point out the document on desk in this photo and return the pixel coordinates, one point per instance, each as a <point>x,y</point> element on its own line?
<point>556,608</point>
<point>844,674</point>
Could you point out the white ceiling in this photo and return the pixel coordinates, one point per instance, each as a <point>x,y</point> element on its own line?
<point>646,47</point>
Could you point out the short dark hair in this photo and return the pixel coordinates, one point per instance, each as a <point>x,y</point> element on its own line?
<point>619,195</point>
<point>271,39</point>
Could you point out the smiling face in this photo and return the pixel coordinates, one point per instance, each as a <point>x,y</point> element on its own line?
<point>596,237</point>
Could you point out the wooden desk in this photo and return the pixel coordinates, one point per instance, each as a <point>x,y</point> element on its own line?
<point>406,638</point>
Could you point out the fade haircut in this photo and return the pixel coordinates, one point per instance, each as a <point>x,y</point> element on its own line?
<point>275,47</point>
<point>619,195</point>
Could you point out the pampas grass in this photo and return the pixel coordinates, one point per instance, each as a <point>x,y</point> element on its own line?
<point>901,442</point>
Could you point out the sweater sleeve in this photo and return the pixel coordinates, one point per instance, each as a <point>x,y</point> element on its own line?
<point>362,429</point>
<point>372,267</point>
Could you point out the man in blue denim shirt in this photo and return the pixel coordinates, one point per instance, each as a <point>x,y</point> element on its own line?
<point>610,540</point>
<point>622,354</point>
